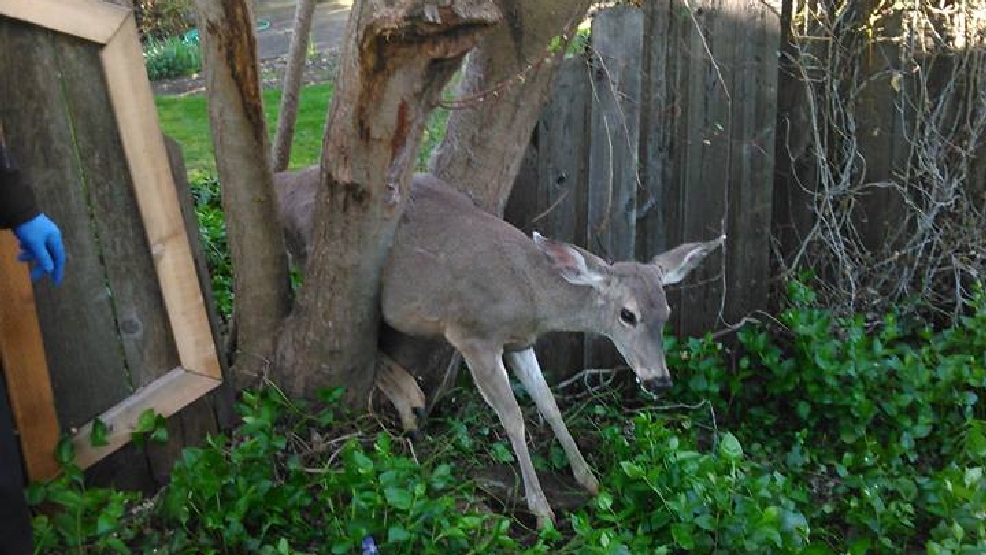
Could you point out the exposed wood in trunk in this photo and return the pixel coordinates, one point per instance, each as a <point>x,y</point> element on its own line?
<point>288,112</point>
<point>260,284</point>
<point>395,62</point>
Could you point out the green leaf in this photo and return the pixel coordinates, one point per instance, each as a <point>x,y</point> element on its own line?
<point>105,524</point>
<point>160,435</point>
<point>145,422</point>
<point>730,448</point>
<point>682,534</point>
<point>397,534</point>
<point>398,498</point>
<point>282,547</point>
<point>555,45</point>
<point>65,451</point>
<point>631,469</point>
<point>604,501</point>
<point>363,463</point>
<point>35,493</point>
<point>97,437</point>
<point>502,453</point>
<point>859,547</point>
<point>116,544</point>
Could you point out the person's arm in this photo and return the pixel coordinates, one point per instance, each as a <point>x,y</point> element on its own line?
<point>40,239</point>
<point>17,204</point>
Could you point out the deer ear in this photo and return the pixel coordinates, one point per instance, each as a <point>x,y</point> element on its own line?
<point>568,261</point>
<point>677,262</point>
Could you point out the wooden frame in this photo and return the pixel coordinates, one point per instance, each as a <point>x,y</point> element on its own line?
<point>114,29</point>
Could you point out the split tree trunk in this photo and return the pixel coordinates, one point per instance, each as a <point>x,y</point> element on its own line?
<point>288,111</point>
<point>486,140</point>
<point>239,135</point>
<point>395,62</point>
<point>485,143</point>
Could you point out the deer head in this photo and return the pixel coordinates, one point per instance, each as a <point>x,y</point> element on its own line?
<point>628,301</point>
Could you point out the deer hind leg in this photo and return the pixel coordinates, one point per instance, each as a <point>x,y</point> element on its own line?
<point>400,387</point>
<point>524,365</point>
<point>485,363</point>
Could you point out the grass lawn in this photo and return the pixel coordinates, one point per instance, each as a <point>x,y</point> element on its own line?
<point>186,118</point>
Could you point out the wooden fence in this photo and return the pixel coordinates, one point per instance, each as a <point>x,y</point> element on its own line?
<point>670,131</point>
<point>651,144</point>
<point>81,122</point>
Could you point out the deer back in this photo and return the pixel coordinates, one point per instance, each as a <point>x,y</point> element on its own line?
<point>455,266</point>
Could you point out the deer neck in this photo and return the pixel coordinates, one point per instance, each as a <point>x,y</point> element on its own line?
<point>565,307</point>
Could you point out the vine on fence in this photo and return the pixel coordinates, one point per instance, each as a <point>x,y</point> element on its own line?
<point>931,64</point>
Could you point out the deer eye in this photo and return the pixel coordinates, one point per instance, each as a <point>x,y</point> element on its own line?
<point>628,317</point>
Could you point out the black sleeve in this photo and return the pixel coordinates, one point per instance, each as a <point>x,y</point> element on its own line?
<point>17,204</point>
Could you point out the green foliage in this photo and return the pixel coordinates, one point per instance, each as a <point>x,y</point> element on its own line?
<point>666,493</point>
<point>171,57</point>
<point>212,233</point>
<point>881,422</point>
<point>252,493</point>
<point>83,520</point>
<point>88,520</point>
<point>157,19</point>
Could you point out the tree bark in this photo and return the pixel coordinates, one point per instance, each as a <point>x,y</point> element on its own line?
<point>239,135</point>
<point>288,111</point>
<point>485,142</point>
<point>395,62</point>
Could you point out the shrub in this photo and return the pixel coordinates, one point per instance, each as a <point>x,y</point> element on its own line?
<point>883,422</point>
<point>171,57</point>
<point>158,19</point>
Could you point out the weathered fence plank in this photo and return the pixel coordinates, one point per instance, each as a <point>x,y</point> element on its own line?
<point>550,189</point>
<point>85,357</point>
<point>617,41</point>
<point>752,134</point>
<point>666,89</point>
<point>706,42</point>
<point>658,116</point>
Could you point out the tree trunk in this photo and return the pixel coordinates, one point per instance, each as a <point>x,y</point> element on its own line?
<point>239,135</point>
<point>394,64</point>
<point>485,142</point>
<point>292,83</point>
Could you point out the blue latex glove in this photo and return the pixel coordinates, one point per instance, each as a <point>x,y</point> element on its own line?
<point>41,246</point>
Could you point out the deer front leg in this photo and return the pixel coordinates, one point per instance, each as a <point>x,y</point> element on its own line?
<point>524,365</point>
<point>485,363</point>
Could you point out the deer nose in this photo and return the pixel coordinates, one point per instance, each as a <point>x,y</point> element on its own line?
<point>654,384</point>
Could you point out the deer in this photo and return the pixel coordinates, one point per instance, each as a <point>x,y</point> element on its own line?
<point>459,272</point>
